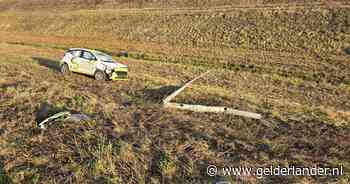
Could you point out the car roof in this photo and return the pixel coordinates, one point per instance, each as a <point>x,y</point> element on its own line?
<point>90,50</point>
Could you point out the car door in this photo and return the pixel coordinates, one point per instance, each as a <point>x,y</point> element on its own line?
<point>75,60</point>
<point>87,63</point>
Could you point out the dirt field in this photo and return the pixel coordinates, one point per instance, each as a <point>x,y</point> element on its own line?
<point>304,99</point>
<point>63,5</point>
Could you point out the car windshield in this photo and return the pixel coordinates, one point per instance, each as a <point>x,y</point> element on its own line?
<point>104,57</point>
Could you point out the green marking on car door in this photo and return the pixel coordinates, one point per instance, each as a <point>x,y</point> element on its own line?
<point>75,65</point>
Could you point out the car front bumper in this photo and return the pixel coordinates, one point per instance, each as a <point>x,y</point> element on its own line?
<point>119,74</point>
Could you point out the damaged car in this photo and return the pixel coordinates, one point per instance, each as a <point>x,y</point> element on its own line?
<point>94,63</point>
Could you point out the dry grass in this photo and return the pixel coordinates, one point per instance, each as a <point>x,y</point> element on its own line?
<point>30,5</point>
<point>316,31</point>
<point>304,100</point>
<point>132,139</point>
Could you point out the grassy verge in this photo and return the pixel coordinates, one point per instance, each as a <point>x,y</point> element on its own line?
<point>304,99</point>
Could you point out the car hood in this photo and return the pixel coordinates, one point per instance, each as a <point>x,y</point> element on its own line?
<point>113,65</point>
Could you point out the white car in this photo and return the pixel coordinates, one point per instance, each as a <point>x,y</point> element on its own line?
<point>94,63</point>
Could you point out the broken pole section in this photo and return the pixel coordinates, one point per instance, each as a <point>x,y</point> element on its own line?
<point>203,108</point>
<point>215,109</point>
<point>175,93</point>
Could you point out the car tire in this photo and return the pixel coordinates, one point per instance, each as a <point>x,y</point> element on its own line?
<point>64,69</point>
<point>100,76</point>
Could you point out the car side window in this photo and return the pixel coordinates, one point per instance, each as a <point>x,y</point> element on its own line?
<point>75,53</point>
<point>88,56</point>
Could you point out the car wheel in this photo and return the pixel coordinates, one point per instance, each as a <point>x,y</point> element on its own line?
<point>100,75</point>
<point>64,69</point>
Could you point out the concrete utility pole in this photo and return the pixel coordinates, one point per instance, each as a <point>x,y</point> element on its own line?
<point>202,108</point>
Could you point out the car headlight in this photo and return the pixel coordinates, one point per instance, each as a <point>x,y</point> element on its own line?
<point>108,70</point>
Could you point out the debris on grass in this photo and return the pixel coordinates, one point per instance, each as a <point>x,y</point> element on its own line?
<point>48,114</point>
<point>64,116</point>
<point>61,116</point>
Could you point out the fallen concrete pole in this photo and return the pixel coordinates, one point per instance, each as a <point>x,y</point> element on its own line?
<point>203,108</point>
<point>175,93</point>
<point>214,109</point>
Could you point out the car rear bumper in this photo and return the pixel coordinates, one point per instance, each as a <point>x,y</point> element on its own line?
<point>119,74</point>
